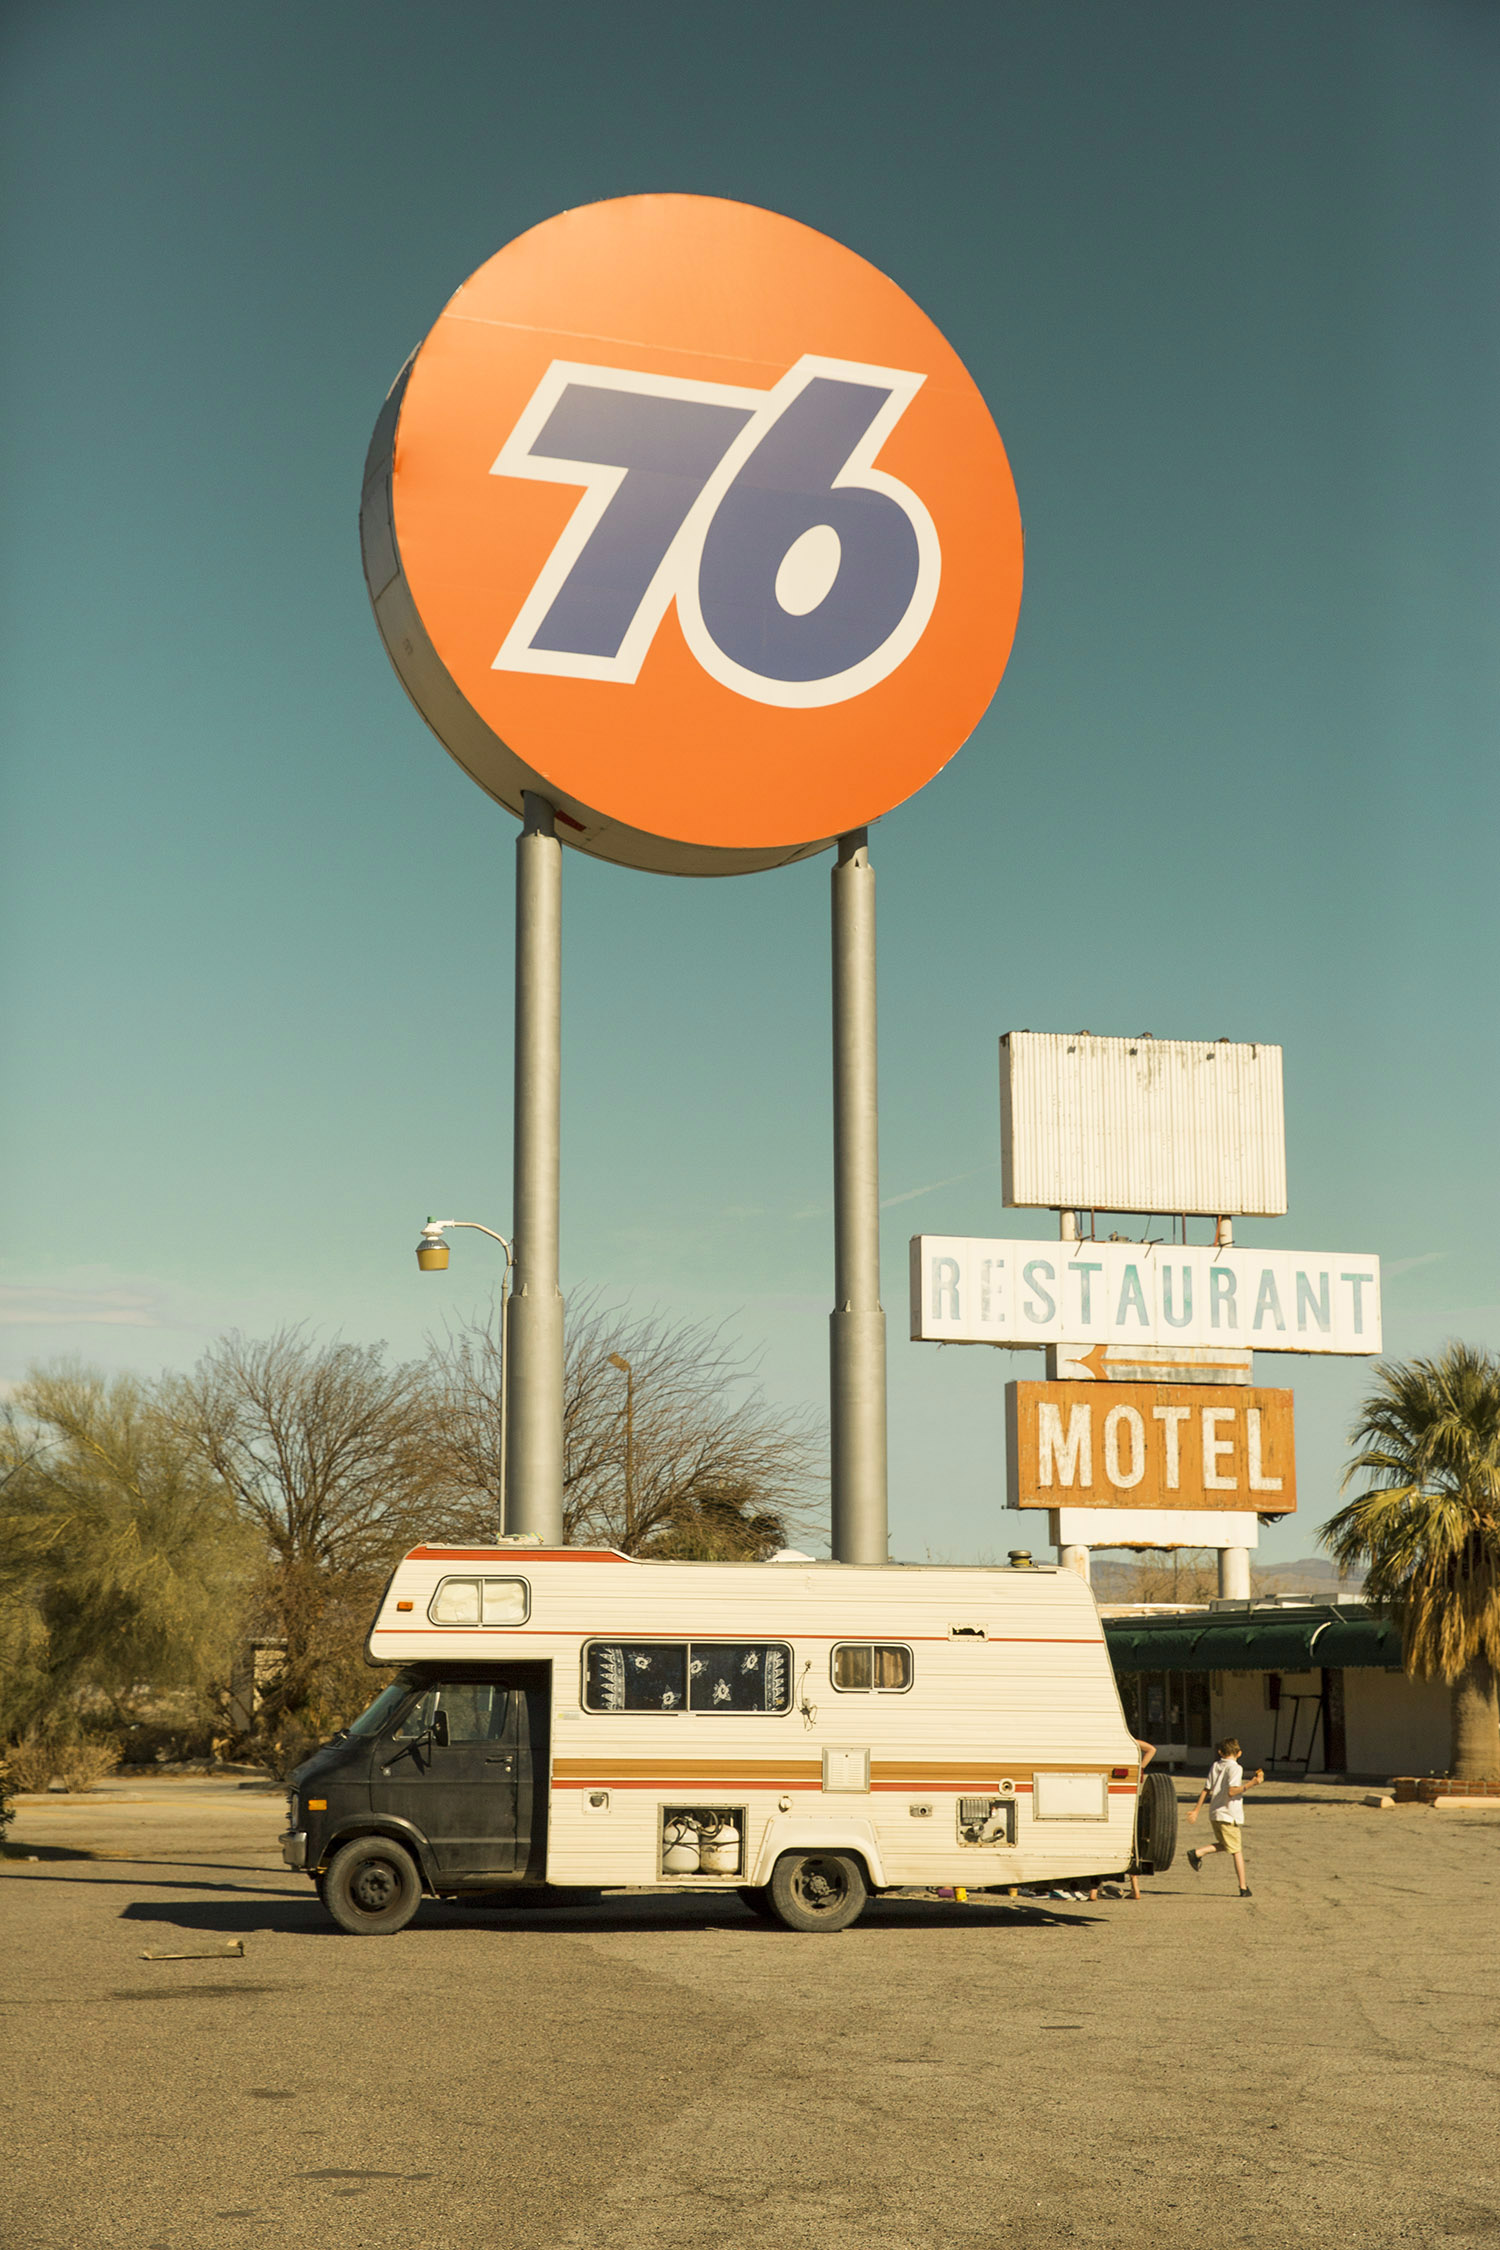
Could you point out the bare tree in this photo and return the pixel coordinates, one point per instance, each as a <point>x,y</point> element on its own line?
<point>321,1448</point>
<point>1176,1574</point>
<point>670,1447</point>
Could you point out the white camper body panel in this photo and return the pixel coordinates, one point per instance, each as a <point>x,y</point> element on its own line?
<point>1011,1699</point>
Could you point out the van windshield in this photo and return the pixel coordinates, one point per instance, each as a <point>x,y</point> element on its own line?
<point>371,1721</point>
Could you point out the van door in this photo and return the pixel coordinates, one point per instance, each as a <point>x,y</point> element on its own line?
<point>461,1795</point>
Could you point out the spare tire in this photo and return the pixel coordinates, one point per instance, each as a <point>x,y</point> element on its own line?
<point>1156,1824</point>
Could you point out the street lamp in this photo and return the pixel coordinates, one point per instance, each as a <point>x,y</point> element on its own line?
<point>432,1257</point>
<point>616,1359</point>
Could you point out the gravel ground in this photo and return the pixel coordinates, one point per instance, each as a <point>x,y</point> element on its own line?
<point>1313,2067</point>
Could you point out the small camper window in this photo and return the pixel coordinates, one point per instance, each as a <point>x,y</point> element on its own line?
<point>722,1676</point>
<point>871,1668</point>
<point>480,1601</point>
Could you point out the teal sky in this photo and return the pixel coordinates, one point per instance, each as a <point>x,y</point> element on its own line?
<point>1226,278</point>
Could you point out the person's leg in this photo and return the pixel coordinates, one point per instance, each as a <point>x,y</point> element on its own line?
<point>1239,1868</point>
<point>1135,1884</point>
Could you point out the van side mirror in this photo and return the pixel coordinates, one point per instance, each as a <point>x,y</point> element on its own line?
<point>439,1728</point>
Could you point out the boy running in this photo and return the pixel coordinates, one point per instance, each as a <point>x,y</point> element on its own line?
<point>1224,1794</point>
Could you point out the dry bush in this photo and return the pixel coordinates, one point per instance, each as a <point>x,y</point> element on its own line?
<point>77,1761</point>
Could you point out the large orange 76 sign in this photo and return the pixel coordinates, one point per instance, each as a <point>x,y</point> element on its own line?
<point>688,518</point>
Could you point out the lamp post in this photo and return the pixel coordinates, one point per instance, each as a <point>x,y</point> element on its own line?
<point>432,1257</point>
<point>616,1359</point>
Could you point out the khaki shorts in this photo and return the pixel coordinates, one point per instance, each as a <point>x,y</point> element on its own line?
<point>1229,1835</point>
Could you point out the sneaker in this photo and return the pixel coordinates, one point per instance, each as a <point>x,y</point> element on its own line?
<point>1195,1863</point>
<point>1244,1894</point>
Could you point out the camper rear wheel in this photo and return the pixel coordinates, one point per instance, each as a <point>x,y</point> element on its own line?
<point>372,1888</point>
<point>1156,1824</point>
<point>818,1890</point>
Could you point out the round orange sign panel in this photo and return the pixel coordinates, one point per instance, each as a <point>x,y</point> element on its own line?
<point>688,519</point>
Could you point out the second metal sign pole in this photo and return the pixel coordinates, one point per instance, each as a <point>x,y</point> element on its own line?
<point>534,1370</point>
<point>857,1328</point>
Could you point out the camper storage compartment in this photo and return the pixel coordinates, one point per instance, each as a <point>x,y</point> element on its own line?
<point>986,1820</point>
<point>700,1840</point>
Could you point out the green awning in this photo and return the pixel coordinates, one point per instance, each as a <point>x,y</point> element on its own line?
<point>1295,1641</point>
<point>1355,1641</point>
<point>1275,1644</point>
<point>1155,1649</point>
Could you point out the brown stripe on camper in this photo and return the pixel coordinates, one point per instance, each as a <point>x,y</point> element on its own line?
<point>890,1774</point>
<point>755,1773</point>
<point>897,1773</point>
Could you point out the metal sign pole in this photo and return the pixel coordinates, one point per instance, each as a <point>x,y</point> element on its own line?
<point>857,1326</point>
<point>534,1359</point>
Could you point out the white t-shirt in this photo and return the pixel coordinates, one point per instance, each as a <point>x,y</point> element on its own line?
<point>1223,1775</point>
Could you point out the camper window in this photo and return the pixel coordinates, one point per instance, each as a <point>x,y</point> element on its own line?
<point>739,1676</point>
<point>480,1601</point>
<point>635,1676</point>
<point>724,1676</point>
<point>865,1668</point>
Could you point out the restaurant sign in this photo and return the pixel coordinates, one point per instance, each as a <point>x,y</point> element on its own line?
<point>969,1290</point>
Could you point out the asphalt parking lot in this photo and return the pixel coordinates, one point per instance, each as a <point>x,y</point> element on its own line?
<point>1316,2066</point>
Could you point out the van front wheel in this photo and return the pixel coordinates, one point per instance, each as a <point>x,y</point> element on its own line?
<point>818,1890</point>
<point>372,1888</point>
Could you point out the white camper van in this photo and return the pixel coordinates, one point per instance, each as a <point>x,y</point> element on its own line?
<point>801,1733</point>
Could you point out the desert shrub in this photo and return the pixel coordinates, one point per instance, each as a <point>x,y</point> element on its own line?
<point>147,1742</point>
<point>123,1570</point>
<point>77,1761</point>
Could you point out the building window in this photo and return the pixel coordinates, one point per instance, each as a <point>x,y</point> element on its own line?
<point>1167,1707</point>
<point>871,1668</point>
<point>729,1677</point>
<point>480,1601</point>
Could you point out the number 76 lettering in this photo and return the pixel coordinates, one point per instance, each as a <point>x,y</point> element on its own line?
<point>802,574</point>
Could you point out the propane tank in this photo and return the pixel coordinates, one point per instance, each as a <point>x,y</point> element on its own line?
<point>680,1846</point>
<point>719,1850</point>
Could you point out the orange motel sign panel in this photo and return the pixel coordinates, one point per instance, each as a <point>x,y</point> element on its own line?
<point>1151,1445</point>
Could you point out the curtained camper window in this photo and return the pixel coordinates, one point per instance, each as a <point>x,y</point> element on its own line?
<point>724,1676</point>
<point>480,1601</point>
<point>871,1668</point>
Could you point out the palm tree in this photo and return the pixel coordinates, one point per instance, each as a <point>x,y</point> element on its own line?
<point>1428,1525</point>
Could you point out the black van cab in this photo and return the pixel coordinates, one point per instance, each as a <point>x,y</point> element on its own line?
<point>440,1787</point>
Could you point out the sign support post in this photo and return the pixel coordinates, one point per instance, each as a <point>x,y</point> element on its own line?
<point>534,1362</point>
<point>857,1325</point>
<point>1234,1562</point>
<point>586,562</point>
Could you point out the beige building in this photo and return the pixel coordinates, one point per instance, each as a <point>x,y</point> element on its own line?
<point>1307,1686</point>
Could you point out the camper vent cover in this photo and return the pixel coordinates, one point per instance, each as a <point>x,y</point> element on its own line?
<point>968,1633</point>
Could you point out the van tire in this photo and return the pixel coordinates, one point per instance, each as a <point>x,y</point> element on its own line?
<point>818,1890</point>
<point>1156,1824</point>
<point>758,1902</point>
<point>371,1887</point>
